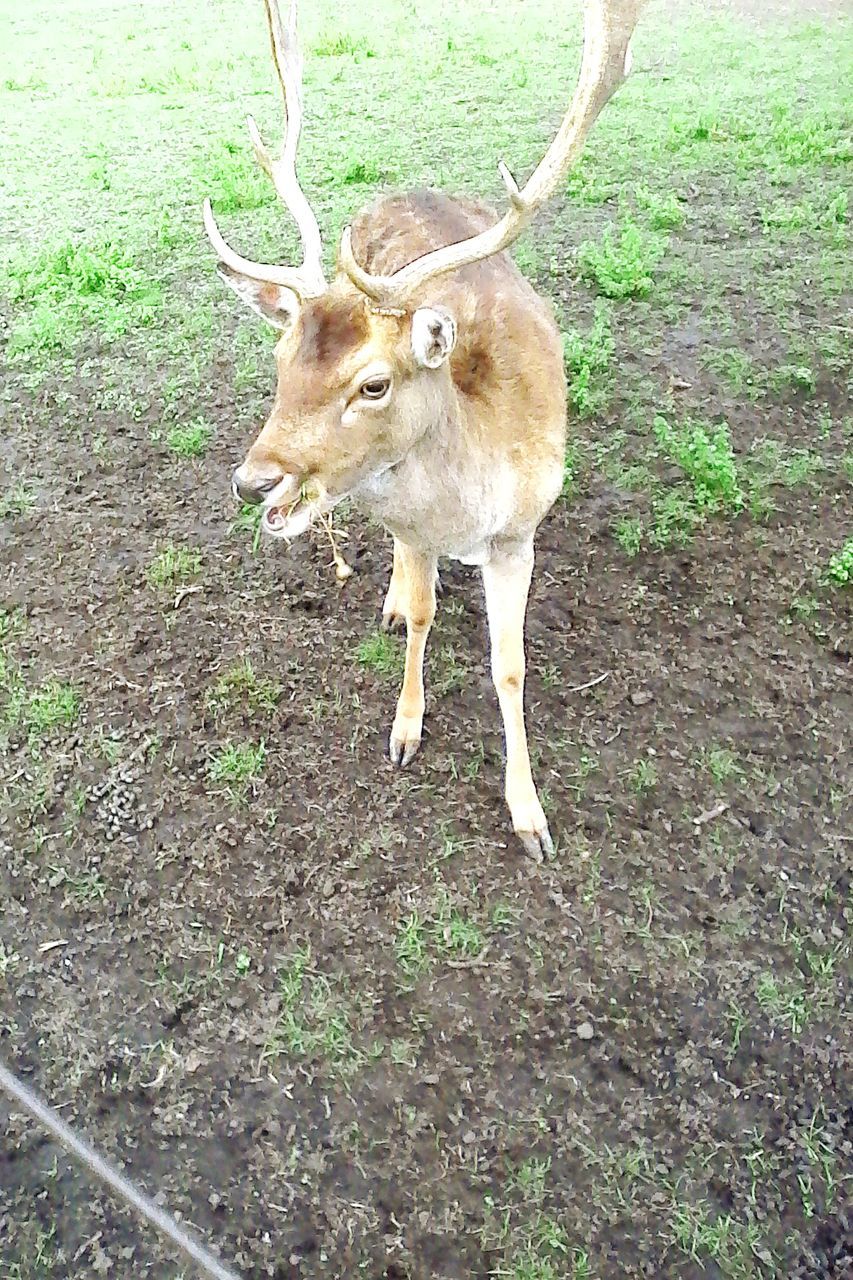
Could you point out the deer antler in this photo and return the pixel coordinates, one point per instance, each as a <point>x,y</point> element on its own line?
<point>308,280</point>
<point>608,27</point>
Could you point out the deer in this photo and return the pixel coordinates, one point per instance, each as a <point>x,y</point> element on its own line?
<point>425,383</point>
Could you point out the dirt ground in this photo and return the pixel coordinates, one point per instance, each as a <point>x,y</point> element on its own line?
<point>333,1015</point>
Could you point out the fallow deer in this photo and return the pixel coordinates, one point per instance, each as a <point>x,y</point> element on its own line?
<point>425,382</point>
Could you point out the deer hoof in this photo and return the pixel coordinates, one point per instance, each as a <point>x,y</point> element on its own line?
<point>405,743</point>
<point>531,827</point>
<point>393,621</point>
<point>538,844</point>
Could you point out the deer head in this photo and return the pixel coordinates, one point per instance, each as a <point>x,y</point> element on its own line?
<point>362,362</point>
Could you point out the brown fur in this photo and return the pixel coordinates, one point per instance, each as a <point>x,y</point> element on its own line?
<point>465,457</point>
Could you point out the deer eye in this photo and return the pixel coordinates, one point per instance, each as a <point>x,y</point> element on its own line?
<point>374,388</point>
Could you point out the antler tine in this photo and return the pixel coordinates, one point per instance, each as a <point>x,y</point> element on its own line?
<point>288,65</point>
<point>608,27</point>
<point>308,280</point>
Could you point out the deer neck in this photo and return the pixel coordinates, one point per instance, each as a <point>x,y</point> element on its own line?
<point>443,495</point>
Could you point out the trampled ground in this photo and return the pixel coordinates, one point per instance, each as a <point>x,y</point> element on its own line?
<point>332,1013</point>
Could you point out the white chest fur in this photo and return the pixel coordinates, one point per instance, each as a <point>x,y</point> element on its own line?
<point>450,511</point>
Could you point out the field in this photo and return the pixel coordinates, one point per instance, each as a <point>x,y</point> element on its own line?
<point>331,1013</point>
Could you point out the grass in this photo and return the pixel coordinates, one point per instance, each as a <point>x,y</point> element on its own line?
<point>17,501</point>
<point>189,439</point>
<point>839,569</point>
<point>381,654</point>
<point>172,566</point>
<point>588,359</point>
<point>237,765</point>
<point>313,1022</point>
<point>622,263</point>
<point>240,685</point>
<point>74,286</point>
<point>53,705</point>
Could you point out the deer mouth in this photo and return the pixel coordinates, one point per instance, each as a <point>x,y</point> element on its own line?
<point>290,519</point>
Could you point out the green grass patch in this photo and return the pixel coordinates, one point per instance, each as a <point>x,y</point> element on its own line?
<point>706,457</point>
<point>588,357</point>
<point>54,705</point>
<point>839,571</point>
<point>189,439</point>
<point>240,685</point>
<point>622,263</point>
<point>173,566</point>
<point>382,654</point>
<point>59,292</point>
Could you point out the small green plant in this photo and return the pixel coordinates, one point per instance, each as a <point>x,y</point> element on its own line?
<point>674,519</point>
<point>54,704</point>
<point>706,457</point>
<point>381,653</point>
<point>587,358</point>
<point>839,571</point>
<point>239,684</point>
<point>341,44</point>
<point>312,1022</point>
<point>173,565</point>
<point>231,179</point>
<point>664,212</point>
<point>17,501</point>
<point>363,172</point>
<point>412,945</point>
<point>628,532</point>
<point>238,763</point>
<point>722,764</point>
<point>800,377</point>
<point>189,439</point>
<point>644,775</point>
<point>248,520</point>
<point>784,1002</point>
<point>622,263</point>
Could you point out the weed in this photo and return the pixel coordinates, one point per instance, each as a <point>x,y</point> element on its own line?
<point>674,520</point>
<point>17,501</point>
<point>628,532</point>
<point>587,359</point>
<point>722,764</point>
<point>800,377</point>
<point>241,684</point>
<point>664,212</point>
<point>172,565</point>
<point>189,439</point>
<point>381,653</point>
<point>622,263</point>
<point>839,570</point>
<point>238,764</point>
<point>706,456</point>
<point>644,776</point>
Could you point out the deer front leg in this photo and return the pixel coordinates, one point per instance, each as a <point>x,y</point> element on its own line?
<point>418,572</point>
<point>394,608</point>
<point>507,582</point>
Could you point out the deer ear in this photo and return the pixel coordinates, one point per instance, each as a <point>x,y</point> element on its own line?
<point>433,336</point>
<point>278,305</point>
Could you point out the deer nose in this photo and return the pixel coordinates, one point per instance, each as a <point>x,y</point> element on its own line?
<point>253,489</point>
